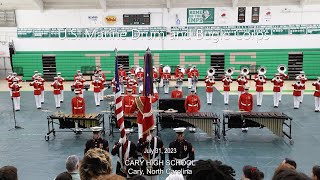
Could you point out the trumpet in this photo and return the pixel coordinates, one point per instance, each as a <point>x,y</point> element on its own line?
<point>282,69</point>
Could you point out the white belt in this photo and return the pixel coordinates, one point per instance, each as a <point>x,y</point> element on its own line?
<point>245,104</point>
<point>226,86</point>
<point>77,107</point>
<point>127,105</point>
<point>240,85</point>
<point>192,105</point>
<point>37,89</point>
<point>56,89</point>
<point>276,86</point>
<point>259,85</point>
<point>297,89</point>
<point>96,86</point>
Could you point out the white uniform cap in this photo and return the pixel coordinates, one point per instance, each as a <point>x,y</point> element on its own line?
<point>179,130</point>
<point>55,78</point>
<point>301,72</point>
<point>246,88</point>
<point>128,131</point>
<point>277,74</point>
<point>77,92</point>
<point>59,73</point>
<point>153,128</point>
<point>192,90</point>
<point>96,129</point>
<point>35,71</point>
<point>78,71</point>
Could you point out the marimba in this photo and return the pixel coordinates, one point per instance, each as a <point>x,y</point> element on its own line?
<point>201,120</point>
<point>129,122</point>
<point>86,87</point>
<point>274,121</point>
<point>67,121</point>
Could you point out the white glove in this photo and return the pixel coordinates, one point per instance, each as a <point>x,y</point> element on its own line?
<point>149,138</point>
<point>122,140</point>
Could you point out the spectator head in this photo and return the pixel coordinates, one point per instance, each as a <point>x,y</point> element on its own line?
<point>138,177</point>
<point>175,176</point>
<point>289,174</point>
<point>252,173</point>
<point>315,174</point>
<point>64,176</point>
<point>290,162</point>
<point>8,173</point>
<point>211,170</point>
<point>72,163</point>
<point>96,162</point>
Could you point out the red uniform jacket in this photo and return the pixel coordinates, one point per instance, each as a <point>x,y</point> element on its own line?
<point>276,84</point>
<point>166,76</point>
<point>176,71</point>
<point>226,84</point>
<point>133,87</point>
<point>194,73</point>
<point>78,86</point>
<point>61,80</point>
<point>160,71</point>
<point>127,103</point>
<point>259,84</point>
<point>140,75</point>
<point>188,72</point>
<point>282,77</point>
<point>297,89</point>
<point>303,81</point>
<point>176,94</point>
<point>15,90</point>
<point>122,73</point>
<point>78,106</point>
<point>42,83</point>
<point>246,102</point>
<point>135,107</point>
<point>10,80</point>
<point>192,103</point>
<point>155,75</point>
<point>34,76</point>
<point>75,77</point>
<point>36,87</point>
<point>178,75</point>
<point>241,84</point>
<point>56,87</point>
<point>96,86</point>
<point>317,86</point>
<point>132,71</point>
<point>209,85</point>
<point>103,80</point>
<point>113,84</point>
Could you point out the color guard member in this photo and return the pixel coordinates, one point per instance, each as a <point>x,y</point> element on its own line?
<point>192,103</point>
<point>96,141</point>
<point>127,103</point>
<point>37,92</point>
<point>15,89</point>
<point>276,89</point>
<point>317,95</point>
<point>56,91</point>
<point>176,93</point>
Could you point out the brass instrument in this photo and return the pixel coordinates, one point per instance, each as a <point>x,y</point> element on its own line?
<point>244,70</point>
<point>211,71</point>
<point>282,69</point>
<point>183,70</point>
<point>139,69</point>
<point>261,77</point>
<point>167,68</point>
<point>229,71</point>
<point>262,70</point>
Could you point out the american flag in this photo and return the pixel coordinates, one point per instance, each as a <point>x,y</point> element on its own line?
<point>147,122</point>
<point>118,99</point>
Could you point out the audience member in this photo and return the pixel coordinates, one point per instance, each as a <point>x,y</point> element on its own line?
<point>251,173</point>
<point>286,164</point>
<point>138,177</point>
<point>72,166</point>
<point>8,173</point>
<point>315,174</point>
<point>289,174</point>
<point>175,176</point>
<point>211,170</point>
<point>290,162</point>
<point>64,176</point>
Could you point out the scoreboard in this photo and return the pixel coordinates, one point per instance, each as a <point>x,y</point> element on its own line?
<point>136,19</point>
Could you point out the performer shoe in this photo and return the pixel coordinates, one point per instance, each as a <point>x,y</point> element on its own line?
<point>61,101</point>
<point>17,109</point>
<point>101,99</point>
<point>316,110</point>
<point>97,105</point>
<point>295,108</point>
<point>209,103</point>
<point>300,102</point>
<point>226,104</point>
<point>245,130</point>
<point>259,105</point>
<point>57,107</point>
<point>39,108</point>
<point>275,106</point>
<point>42,102</point>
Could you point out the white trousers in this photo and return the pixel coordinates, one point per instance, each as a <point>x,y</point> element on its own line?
<point>166,88</point>
<point>38,100</point>
<point>57,99</point>
<point>194,86</point>
<point>226,97</point>
<point>209,97</point>
<point>190,82</point>
<point>61,95</point>
<point>42,96</point>
<point>301,97</point>
<point>156,177</point>
<point>296,101</point>
<point>122,88</point>
<point>97,98</point>
<point>280,96</point>
<point>259,98</point>
<point>140,131</point>
<point>16,102</point>
<point>101,94</point>
<point>10,92</point>
<point>161,82</point>
<point>139,89</point>
<point>276,98</point>
<point>317,103</point>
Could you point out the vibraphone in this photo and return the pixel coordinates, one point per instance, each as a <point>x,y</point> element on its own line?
<point>67,121</point>
<point>86,87</point>
<point>201,120</point>
<point>274,121</point>
<point>129,122</point>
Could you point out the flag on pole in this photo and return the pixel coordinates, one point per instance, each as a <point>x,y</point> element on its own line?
<point>118,99</point>
<point>147,122</point>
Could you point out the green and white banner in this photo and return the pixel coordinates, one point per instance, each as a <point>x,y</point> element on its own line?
<point>200,15</point>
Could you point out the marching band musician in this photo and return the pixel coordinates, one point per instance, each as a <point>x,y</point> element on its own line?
<point>189,76</point>
<point>242,81</point>
<point>61,80</point>
<point>96,89</point>
<point>78,107</point>
<point>78,86</point>
<point>303,80</point>
<point>209,88</point>
<point>155,76</point>
<point>9,79</point>
<point>140,76</point>
<point>177,70</point>
<point>298,86</point>
<point>122,77</point>
<point>183,152</point>
<point>317,95</point>
<point>192,103</point>
<point>102,78</point>
<point>121,85</point>
<point>282,77</point>
<point>41,80</point>
<point>132,70</point>
<point>127,103</point>
<point>76,75</point>
<point>194,77</point>
<point>82,80</point>
<point>35,75</point>
<point>227,80</point>
<point>153,153</point>
<point>15,89</point>
<point>160,70</point>
<point>125,150</point>
<point>276,89</point>
<point>166,76</point>
<point>245,103</point>
<point>179,76</point>
<point>56,91</point>
<point>37,92</point>
<point>260,80</point>
<point>177,93</point>
<point>113,84</point>
<point>96,141</point>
